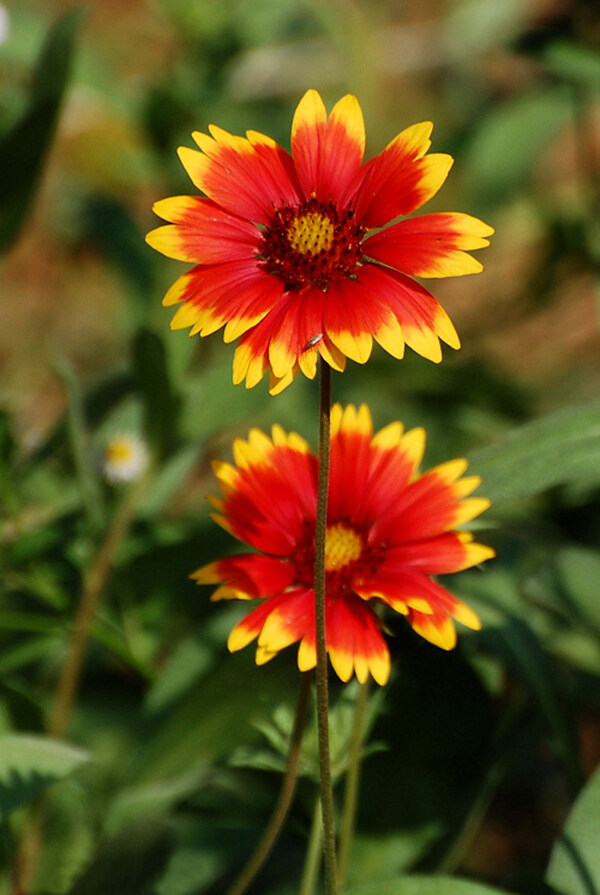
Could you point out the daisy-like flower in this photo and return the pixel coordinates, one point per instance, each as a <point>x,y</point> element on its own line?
<point>389,529</point>
<point>296,255</point>
<point>125,458</point>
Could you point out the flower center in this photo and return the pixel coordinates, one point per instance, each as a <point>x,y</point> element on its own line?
<point>343,545</point>
<point>311,233</point>
<point>313,244</point>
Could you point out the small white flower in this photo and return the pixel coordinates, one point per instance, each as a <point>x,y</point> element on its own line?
<point>125,458</point>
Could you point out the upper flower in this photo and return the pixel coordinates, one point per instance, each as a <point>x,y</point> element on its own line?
<point>388,530</point>
<point>296,254</point>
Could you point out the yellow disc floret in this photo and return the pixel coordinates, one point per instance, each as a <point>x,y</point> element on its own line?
<point>311,233</point>
<point>343,545</point>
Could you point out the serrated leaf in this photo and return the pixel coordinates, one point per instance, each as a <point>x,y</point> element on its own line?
<point>423,885</point>
<point>574,867</point>
<point>23,149</point>
<point>561,448</point>
<point>68,838</point>
<point>30,763</point>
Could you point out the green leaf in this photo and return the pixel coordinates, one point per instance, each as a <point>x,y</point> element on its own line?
<point>506,145</point>
<point>150,800</point>
<point>127,863</point>
<point>169,478</point>
<point>23,149</point>
<point>388,853</point>
<point>579,572</point>
<point>161,404</point>
<point>574,867</point>
<point>561,448</point>
<point>87,473</point>
<point>423,885</point>
<point>30,763</point>
<point>522,654</point>
<point>68,838</point>
<point>191,659</point>
<point>574,62</point>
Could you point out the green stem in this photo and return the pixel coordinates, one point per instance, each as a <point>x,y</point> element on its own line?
<point>350,807</point>
<point>321,674</point>
<point>286,795</point>
<point>312,864</point>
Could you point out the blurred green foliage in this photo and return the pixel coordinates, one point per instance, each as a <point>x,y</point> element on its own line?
<point>176,747</point>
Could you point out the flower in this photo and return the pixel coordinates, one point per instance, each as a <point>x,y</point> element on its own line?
<point>125,458</point>
<point>389,530</point>
<point>296,255</point>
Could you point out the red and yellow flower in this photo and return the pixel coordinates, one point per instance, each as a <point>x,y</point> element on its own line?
<point>389,529</point>
<point>298,256</point>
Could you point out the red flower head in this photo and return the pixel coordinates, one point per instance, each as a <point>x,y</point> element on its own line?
<point>295,254</point>
<point>389,529</point>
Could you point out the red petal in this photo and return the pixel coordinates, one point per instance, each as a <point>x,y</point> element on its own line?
<point>328,152</point>
<point>238,293</point>
<point>354,642</point>
<point>421,317</point>
<point>203,232</point>
<point>435,556</point>
<point>430,246</point>
<point>255,575</point>
<point>264,510</point>
<point>245,179</point>
<point>399,180</point>
<point>349,467</point>
<point>426,508</point>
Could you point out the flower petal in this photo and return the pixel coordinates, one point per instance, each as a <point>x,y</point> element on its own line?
<point>351,434</point>
<point>328,152</point>
<point>401,178</point>
<point>428,507</point>
<point>434,245</point>
<point>202,232</point>
<point>437,628</point>
<point>274,492</point>
<point>354,642</point>
<point>244,179</point>
<point>288,622</point>
<point>441,555</point>
<point>249,576</point>
<point>423,321</point>
<point>238,294</point>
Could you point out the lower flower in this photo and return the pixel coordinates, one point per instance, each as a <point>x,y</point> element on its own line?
<point>389,530</point>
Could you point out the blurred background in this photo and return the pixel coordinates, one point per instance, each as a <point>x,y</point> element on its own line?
<point>483,751</point>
